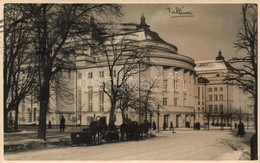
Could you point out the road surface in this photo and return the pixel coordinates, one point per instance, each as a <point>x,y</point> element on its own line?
<point>183,145</point>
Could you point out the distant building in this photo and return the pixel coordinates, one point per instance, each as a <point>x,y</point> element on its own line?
<point>220,102</point>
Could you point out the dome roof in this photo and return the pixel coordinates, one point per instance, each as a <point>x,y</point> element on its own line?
<point>138,32</point>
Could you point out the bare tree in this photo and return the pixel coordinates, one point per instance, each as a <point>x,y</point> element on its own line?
<point>52,27</point>
<point>124,57</point>
<point>19,67</point>
<point>243,67</point>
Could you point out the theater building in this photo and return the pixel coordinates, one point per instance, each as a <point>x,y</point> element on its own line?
<point>175,87</point>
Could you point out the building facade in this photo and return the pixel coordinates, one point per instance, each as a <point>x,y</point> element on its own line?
<point>172,73</point>
<point>219,102</point>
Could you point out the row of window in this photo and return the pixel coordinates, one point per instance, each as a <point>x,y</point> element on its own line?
<point>216,108</point>
<point>165,101</point>
<point>215,89</point>
<point>101,101</point>
<point>90,75</point>
<point>216,97</point>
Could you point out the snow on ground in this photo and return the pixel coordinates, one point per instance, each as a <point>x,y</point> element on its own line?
<point>184,145</point>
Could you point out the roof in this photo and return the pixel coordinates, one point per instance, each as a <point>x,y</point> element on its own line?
<point>140,32</point>
<point>211,65</point>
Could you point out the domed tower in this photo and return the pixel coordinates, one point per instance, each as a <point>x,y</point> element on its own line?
<point>143,24</point>
<point>220,57</point>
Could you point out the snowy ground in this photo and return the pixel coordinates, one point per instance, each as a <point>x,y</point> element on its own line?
<point>184,145</point>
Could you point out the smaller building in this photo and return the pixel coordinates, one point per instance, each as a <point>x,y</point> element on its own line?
<point>219,103</point>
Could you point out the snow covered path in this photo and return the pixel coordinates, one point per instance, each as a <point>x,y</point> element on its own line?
<point>184,145</point>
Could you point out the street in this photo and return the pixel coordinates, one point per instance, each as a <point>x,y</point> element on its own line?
<point>182,145</point>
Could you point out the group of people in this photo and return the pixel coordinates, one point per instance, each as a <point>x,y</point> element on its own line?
<point>240,126</point>
<point>164,126</point>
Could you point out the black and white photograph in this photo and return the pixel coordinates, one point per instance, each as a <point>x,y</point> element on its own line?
<point>137,81</point>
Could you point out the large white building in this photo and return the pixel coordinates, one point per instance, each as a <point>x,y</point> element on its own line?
<point>174,76</point>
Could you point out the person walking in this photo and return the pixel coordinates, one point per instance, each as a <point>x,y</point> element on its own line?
<point>62,124</point>
<point>154,126</point>
<point>241,129</point>
<point>171,126</point>
<point>164,126</point>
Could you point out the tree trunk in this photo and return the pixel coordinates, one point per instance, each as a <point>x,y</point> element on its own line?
<point>123,115</point>
<point>112,111</point>
<point>5,119</point>
<point>44,102</point>
<point>16,118</point>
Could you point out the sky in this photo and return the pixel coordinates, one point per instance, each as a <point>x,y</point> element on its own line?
<point>211,28</point>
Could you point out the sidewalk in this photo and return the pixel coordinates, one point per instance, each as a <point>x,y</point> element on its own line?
<point>27,139</point>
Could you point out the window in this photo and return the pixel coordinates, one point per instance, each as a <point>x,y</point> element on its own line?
<point>175,101</point>
<point>202,102</point>
<point>221,108</point>
<point>199,92</point>
<point>216,97</point>
<point>101,101</point>
<point>184,85</point>
<point>79,97</point>
<point>176,82</point>
<point>221,89</point>
<point>210,108</point>
<point>202,108</point>
<point>215,89</point>
<point>198,108</point>
<point>210,97</point>
<point>164,85</point>
<point>90,88</point>
<point>101,74</point>
<point>202,93</point>
<point>220,97</point>
<point>164,101</point>
<point>215,108</point>
<point>90,75</point>
<point>198,102</point>
<point>210,90</point>
<point>90,98</point>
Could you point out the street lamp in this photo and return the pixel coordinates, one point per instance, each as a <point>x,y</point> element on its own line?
<point>158,114</point>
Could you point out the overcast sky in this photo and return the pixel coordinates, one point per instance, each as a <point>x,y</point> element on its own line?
<point>210,29</point>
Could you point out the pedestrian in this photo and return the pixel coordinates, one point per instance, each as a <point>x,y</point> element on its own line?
<point>164,126</point>
<point>171,126</point>
<point>235,125</point>
<point>241,129</point>
<point>49,124</point>
<point>62,124</point>
<point>154,126</point>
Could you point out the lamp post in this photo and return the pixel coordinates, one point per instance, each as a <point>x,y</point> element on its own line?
<point>158,114</point>
<point>221,121</point>
<point>194,119</point>
<point>139,89</point>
